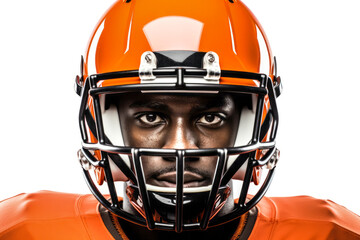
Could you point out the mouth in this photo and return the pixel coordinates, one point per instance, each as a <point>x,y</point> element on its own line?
<point>191,179</point>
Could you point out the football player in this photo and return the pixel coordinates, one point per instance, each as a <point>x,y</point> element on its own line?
<point>178,130</point>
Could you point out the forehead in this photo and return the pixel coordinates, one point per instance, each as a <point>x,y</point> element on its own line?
<point>185,102</point>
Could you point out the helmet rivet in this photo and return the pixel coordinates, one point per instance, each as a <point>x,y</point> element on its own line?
<point>83,161</point>
<point>148,58</point>
<point>211,58</point>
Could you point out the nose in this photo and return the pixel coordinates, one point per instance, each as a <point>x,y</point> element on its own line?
<point>180,136</point>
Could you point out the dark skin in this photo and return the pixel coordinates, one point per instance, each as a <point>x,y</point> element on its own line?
<point>178,122</point>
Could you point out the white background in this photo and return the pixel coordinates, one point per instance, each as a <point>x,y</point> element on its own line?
<point>318,52</point>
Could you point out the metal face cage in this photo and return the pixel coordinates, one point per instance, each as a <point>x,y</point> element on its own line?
<point>245,155</point>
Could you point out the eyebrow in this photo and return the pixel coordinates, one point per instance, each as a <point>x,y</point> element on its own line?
<point>148,104</point>
<point>214,103</point>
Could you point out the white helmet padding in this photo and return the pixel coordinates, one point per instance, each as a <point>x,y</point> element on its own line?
<point>244,135</point>
<point>112,129</point>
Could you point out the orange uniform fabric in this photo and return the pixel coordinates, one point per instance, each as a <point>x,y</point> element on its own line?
<point>304,218</point>
<point>52,215</point>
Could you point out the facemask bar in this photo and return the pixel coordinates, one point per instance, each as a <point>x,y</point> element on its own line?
<point>272,155</point>
<point>180,164</point>
<point>244,152</point>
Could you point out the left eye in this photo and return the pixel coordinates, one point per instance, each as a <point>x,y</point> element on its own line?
<point>210,119</point>
<point>150,119</point>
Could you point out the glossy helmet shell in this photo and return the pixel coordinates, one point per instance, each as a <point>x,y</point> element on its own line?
<point>128,29</point>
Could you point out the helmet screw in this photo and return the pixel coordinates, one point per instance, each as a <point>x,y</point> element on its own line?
<point>211,58</point>
<point>83,161</point>
<point>273,160</point>
<point>148,58</point>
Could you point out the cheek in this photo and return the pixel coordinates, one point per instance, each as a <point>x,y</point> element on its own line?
<point>145,139</point>
<point>217,138</point>
<point>206,164</point>
<point>139,137</point>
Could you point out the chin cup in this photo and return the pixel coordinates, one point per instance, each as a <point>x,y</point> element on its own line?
<point>164,204</point>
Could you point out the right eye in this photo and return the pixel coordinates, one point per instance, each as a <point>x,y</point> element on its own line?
<point>151,119</point>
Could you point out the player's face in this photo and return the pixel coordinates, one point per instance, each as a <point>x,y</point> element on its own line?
<point>178,122</point>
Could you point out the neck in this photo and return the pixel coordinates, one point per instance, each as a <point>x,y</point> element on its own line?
<point>239,228</point>
<point>225,231</point>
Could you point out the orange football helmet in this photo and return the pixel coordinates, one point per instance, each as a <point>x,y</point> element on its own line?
<point>202,46</point>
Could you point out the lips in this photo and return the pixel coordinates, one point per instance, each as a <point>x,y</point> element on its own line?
<point>191,179</point>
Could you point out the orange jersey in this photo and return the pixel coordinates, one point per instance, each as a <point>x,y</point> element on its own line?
<point>304,217</point>
<point>51,215</point>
